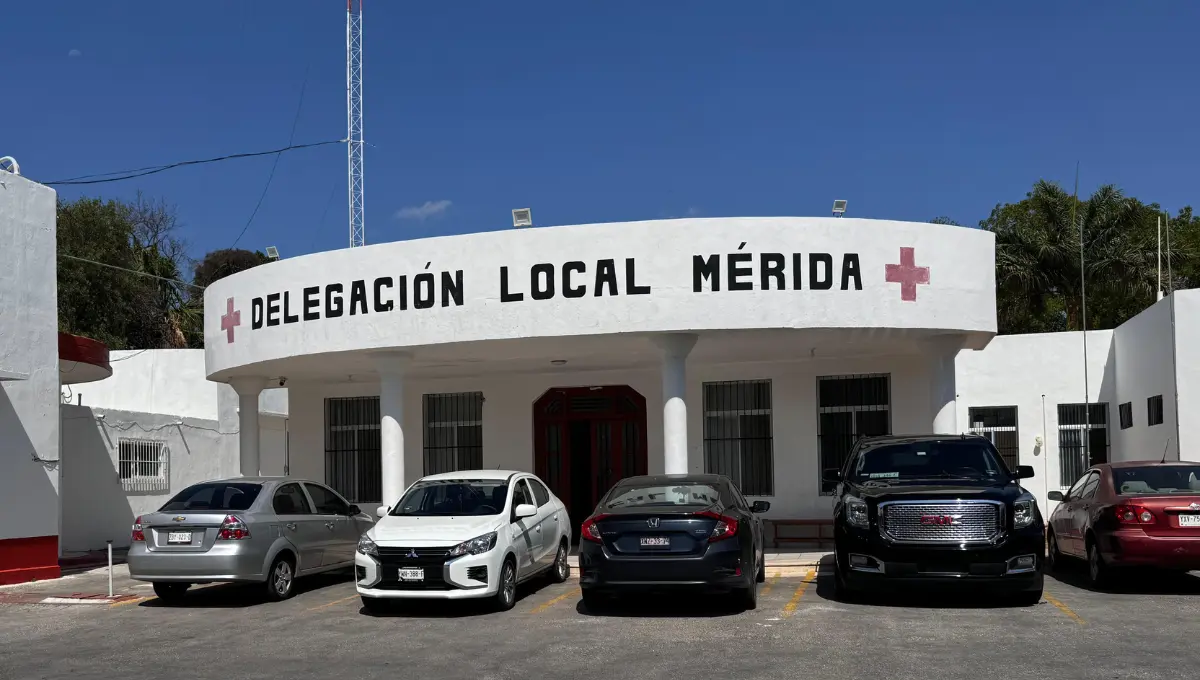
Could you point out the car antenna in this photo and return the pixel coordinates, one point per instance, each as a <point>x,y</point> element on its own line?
<point>1164,458</point>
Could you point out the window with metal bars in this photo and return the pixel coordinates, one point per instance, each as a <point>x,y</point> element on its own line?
<point>453,432</point>
<point>737,434</point>
<point>999,424</point>
<point>849,407</point>
<point>352,448</point>
<point>142,465</point>
<point>1154,410</point>
<point>1125,413</point>
<point>1082,439</point>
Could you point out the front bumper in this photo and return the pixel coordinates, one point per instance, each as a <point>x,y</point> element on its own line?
<point>226,561</point>
<point>722,567</point>
<point>451,579</point>
<point>1013,565</point>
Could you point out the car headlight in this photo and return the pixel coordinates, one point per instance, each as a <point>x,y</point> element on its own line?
<point>1024,511</point>
<point>856,512</point>
<point>475,546</point>
<point>366,546</point>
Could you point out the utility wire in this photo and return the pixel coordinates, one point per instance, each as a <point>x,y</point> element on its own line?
<point>131,271</point>
<point>275,164</point>
<point>142,172</point>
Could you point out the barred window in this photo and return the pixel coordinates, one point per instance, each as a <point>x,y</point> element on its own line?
<point>453,432</point>
<point>737,434</point>
<point>999,424</point>
<point>1125,413</point>
<point>1154,410</point>
<point>352,448</point>
<point>142,465</point>
<point>1075,453</point>
<point>849,407</point>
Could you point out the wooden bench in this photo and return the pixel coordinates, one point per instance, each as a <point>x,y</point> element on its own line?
<point>817,532</point>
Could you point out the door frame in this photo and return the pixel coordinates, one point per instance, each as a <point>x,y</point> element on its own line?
<point>553,407</point>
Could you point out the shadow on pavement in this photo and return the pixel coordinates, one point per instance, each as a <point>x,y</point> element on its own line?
<point>1138,581</point>
<point>665,605</point>
<point>920,598</point>
<point>452,609</point>
<point>233,595</point>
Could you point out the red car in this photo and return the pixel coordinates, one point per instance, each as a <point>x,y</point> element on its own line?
<point>1128,514</point>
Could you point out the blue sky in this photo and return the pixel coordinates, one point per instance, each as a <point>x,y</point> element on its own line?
<point>601,111</point>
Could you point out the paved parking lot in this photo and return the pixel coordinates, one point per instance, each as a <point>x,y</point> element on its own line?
<point>796,632</point>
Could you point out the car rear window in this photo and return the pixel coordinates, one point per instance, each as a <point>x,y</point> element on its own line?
<point>686,493</point>
<point>944,459</point>
<point>214,496</point>
<point>1183,479</point>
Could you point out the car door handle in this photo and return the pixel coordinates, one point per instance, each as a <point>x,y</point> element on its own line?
<point>291,525</point>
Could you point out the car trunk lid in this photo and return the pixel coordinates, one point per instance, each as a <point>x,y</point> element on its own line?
<point>649,531</point>
<point>183,531</point>
<point>1176,515</point>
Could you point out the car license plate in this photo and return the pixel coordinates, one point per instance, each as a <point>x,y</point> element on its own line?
<point>1189,520</point>
<point>655,542</point>
<point>411,575</point>
<point>179,537</point>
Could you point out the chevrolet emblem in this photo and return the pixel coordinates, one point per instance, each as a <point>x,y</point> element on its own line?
<point>178,518</point>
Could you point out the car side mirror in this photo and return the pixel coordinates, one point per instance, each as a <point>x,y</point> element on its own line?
<point>524,510</point>
<point>1024,471</point>
<point>1056,496</point>
<point>353,510</point>
<point>381,511</point>
<point>832,475</point>
<point>758,507</point>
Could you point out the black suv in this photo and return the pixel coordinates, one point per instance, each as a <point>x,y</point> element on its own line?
<point>935,509</point>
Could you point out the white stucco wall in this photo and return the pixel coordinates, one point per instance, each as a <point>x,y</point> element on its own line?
<point>1142,352</point>
<point>28,349</point>
<point>1036,373</point>
<point>1187,360</point>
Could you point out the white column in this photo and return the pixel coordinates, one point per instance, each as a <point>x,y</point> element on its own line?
<point>392,368</point>
<point>675,349</point>
<point>248,390</point>
<point>943,404</point>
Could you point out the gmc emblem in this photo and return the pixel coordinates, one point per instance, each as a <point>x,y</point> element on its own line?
<point>940,520</point>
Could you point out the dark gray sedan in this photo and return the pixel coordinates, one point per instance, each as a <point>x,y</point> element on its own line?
<point>268,530</point>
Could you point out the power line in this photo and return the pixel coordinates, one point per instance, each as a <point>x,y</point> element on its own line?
<point>131,271</point>
<point>275,164</point>
<point>142,172</point>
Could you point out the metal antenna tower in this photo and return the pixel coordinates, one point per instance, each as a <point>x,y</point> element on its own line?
<point>354,122</point>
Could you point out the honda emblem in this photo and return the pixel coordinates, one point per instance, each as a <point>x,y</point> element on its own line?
<point>652,522</point>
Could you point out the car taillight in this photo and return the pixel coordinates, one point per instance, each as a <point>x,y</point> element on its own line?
<point>726,527</point>
<point>1132,513</point>
<point>137,534</point>
<point>233,529</point>
<point>589,531</point>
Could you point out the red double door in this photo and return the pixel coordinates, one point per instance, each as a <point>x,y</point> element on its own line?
<point>585,440</point>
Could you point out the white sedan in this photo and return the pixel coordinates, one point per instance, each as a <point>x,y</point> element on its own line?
<point>466,534</point>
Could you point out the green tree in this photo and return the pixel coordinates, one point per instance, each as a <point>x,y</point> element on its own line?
<point>214,266</point>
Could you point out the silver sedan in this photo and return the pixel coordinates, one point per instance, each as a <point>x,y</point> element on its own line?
<point>268,530</point>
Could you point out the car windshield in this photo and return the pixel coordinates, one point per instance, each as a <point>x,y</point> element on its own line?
<point>685,493</point>
<point>219,496</point>
<point>445,497</point>
<point>965,459</point>
<point>1157,479</point>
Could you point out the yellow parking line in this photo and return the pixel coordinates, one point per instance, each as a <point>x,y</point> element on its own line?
<point>1064,609</point>
<point>330,604</point>
<point>770,584</point>
<point>790,607</point>
<point>122,603</point>
<point>546,605</point>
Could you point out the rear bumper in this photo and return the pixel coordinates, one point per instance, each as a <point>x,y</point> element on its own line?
<point>722,567</point>
<point>1133,547</point>
<point>224,562</point>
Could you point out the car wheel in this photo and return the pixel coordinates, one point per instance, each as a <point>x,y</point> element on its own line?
<point>594,602</point>
<point>374,605</point>
<point>281,579</point>
<point>1053,554</point>
<point>170,593</point>
<point>748,597</point>
<point>506,594</point>
<point>842,592</point>
<point>1028,598</point>
<point>1098,571</point>
<point>761,576</point>
<point>562,566</point>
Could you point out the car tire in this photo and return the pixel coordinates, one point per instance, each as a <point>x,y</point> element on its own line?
<point>761,576</point>
<point>842,592</point>
<point>748,598</point>
<point>374,605</point>
<point>170,593</point>
<point>561,571</point>
<point>506,591</point>
<point>594,602</point>
<point>1028,598</point>
<point>1099,574</point>
<point>281,578</point>
<point>1053,554</point>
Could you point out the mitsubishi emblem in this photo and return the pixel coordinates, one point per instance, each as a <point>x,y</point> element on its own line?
<point>652,522</point>
<point>412,552</point>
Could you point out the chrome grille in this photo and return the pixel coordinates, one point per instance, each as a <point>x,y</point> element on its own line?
<point>953,522</point>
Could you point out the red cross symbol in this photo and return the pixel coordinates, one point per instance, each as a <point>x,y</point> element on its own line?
<point>233,319</point>
<point>907,274</point>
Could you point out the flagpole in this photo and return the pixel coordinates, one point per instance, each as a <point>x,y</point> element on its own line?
<point>1174,361</point>
<point>1087,411</point>
<point>1160,288</point>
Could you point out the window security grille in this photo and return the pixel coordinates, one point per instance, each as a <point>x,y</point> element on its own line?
<point>1125,412</point>
<point>352,448</point>
<point>737,434</point>
<point>1075,422</point>
<point>453,432</point>
<point>999,424</point>
<point>1154,410</point>
<point>142,465</point>
<point>850,407</point>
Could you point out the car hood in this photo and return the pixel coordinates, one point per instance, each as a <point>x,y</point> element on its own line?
<point>419,531</point>
<point>937,490</point>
